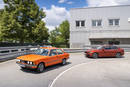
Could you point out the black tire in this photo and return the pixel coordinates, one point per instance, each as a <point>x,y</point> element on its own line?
<point>95,55</point>
<point>63,62</point>
<point>40,67</point>
<point>118,55</point>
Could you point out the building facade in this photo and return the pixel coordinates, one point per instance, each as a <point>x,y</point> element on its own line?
<point>99,25</point>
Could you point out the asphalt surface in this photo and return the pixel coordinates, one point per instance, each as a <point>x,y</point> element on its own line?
<point>78,72</point>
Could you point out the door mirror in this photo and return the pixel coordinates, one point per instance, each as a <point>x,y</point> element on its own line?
<point>103,49</point>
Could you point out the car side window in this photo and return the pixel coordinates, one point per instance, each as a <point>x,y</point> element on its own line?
<point>107,48</point>
<point>113,47</point>
<point>53,52</point>
<point>59,51</point>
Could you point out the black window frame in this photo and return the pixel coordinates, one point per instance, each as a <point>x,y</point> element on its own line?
<point>114,22</point>
<point>117,22</point>
<point>77,23</point>
<point>97,23</point>
<point>80,23</point>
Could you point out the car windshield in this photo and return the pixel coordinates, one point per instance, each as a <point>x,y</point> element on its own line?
<point>43,52</point>
<point>100,47</point>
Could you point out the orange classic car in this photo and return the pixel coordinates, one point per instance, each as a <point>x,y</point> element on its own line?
<point>43,57</point>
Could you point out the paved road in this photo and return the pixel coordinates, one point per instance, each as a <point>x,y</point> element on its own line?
<point>91,73</point>
<point>12,76</point>
<point>105,72</point>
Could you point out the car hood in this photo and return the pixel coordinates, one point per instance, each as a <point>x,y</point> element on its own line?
<point>31,57</point>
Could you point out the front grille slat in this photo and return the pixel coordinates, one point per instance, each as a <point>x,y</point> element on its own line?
<point>22,61</point>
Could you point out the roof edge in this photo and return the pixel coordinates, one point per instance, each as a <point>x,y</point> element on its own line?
<point>100,7</point>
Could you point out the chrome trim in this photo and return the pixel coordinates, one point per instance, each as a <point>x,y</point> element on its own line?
<point>27,65</point>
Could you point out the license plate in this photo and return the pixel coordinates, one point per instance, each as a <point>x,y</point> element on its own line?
<point>22,65</point>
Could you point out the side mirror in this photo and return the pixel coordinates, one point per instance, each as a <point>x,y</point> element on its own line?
<point>103,49</point>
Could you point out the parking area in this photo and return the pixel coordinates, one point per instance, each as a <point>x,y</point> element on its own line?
<point>78,72</point>
<point>103,72</point>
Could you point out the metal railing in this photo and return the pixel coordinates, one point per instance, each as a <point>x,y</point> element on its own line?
<point>13,52</point>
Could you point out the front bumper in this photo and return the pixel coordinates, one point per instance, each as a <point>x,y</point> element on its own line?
<point>26,65</point>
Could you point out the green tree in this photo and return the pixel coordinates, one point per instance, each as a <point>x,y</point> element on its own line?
<point>1,11</point>
<point>40,34</point>
<point>21,20</point>
<point>60,35</point>
<point>65,33</point>
<point>54,34</point>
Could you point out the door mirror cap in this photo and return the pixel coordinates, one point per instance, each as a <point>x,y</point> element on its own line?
<point>103,49</point>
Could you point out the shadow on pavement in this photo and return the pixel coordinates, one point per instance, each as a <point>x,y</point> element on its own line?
<point>49,68</point>
<point>104,57</point>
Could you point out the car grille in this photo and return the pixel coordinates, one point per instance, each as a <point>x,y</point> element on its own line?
<point>22,61</point>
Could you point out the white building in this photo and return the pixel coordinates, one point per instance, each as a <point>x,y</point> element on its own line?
<point>99,25</point>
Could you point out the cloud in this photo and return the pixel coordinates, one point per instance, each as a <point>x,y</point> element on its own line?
<point>95,3</point>
<point>65,1</point>
<point>1,4</point>
<point>70,2</point>
<point>55,15</point>
<point>61,1</point>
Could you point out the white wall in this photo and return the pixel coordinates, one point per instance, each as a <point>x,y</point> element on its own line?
<point>82,34</point>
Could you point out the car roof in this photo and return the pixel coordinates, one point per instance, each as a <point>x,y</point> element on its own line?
<point>49,48</point>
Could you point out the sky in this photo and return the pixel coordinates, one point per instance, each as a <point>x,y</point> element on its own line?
<point>58,10</point>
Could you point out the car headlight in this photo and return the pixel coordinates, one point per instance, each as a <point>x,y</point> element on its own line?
<point>90,52</point>
<point>18,60</point>
<point>31,63</point>
<point>28,62</point>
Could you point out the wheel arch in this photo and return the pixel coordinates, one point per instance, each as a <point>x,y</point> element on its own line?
<point>96,53</point>
<point>42,62</point>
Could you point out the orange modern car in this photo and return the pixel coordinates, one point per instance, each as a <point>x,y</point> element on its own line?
<point>105,51</point>
<point>43,57</point>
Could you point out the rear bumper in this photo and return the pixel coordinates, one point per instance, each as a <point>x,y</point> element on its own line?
<point>26,65</point>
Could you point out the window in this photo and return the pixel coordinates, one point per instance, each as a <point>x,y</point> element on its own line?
<point>96,42</point>
<point>53,52</point>
<point>77,23</point>
<point>114,47</point>
<point>59,51</point>
<point>116,21</point>
<point>43,52</point>
<point>96,22</point>
<point>110,22</point>
<point>114,42</point>
<point>107,48</point>
<point>93,23</point>
<point>113,22</point>
<point>80,23</point>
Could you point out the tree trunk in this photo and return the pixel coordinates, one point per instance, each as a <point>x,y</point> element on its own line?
<point>21,41</point>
